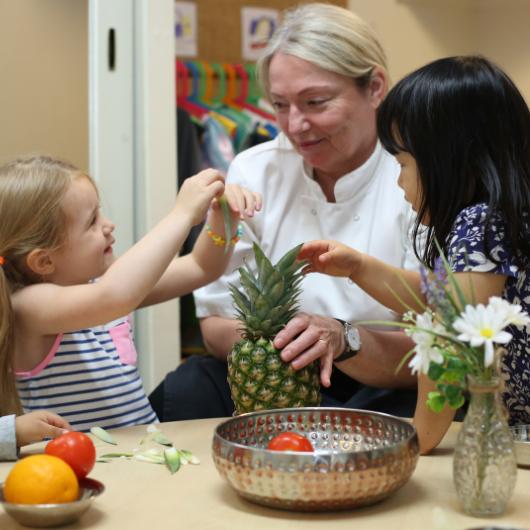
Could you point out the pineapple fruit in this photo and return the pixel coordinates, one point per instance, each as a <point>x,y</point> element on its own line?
<point>257,376</point>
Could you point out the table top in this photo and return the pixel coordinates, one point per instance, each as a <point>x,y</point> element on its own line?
<point>142,495</point>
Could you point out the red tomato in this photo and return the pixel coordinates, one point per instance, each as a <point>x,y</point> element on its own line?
<point>76,449</point>
<point>290,441</point>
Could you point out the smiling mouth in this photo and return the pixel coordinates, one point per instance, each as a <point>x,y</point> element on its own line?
<point>309,144</point>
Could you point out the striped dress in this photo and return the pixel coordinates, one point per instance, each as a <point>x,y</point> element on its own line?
<point>89,377</point>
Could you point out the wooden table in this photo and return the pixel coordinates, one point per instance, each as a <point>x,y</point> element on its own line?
<point>146,496</point>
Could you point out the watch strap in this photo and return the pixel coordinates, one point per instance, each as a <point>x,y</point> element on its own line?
<point>348,352</point>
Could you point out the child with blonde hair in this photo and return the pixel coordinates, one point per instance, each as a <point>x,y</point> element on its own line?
<point>67,337</point>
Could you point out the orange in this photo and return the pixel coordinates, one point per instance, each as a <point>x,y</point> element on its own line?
<point>41,479</point>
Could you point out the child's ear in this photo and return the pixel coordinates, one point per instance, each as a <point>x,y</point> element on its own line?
<point>39,262</point>
<point>378,86</point>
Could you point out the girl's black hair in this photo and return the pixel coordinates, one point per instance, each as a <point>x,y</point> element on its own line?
<point>468,128</point>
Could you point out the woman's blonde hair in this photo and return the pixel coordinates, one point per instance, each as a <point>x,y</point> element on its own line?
<point>31,217</point>
<point>330,37</point>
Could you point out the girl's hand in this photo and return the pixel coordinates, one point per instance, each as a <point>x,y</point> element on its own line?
<point>331,257</point>
<point>243,203</point>
<point>37,425</point>
<point>197,193</point>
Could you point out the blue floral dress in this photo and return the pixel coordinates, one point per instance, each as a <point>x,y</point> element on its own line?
<point>465,252</point>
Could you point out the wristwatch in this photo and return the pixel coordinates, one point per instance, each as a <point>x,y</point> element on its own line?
<point>352,340</point>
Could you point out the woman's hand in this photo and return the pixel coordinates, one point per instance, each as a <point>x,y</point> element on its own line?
<point>332,258</point>
<point>197,193</point>
<point>37,425</point>
<point>306,338</point>
<point>243,203</point>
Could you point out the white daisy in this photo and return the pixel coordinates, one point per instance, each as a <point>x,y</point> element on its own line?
<point>513,313</point>
<point>425,340</point>
<point>483,326</point>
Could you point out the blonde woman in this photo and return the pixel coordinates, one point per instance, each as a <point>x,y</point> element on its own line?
<point>325,73</point>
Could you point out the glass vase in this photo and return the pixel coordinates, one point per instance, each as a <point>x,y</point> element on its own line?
<point>484,465</point>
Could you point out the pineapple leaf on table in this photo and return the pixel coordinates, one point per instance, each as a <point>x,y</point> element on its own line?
<point>266,301</point>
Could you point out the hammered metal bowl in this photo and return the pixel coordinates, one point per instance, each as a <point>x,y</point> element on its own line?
<point>46,515</point>
<point>359,457</point>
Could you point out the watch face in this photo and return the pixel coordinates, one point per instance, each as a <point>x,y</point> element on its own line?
<point>352,337</point>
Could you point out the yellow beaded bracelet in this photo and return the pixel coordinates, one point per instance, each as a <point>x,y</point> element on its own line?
<point>220,241</point>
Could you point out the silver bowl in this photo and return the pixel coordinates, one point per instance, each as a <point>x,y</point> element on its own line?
<point>359,457</point>
<point>45,515</point>
<point>521,436</point>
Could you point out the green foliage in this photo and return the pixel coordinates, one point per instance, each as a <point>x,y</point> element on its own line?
<point>267,299</point>
<point>436,371</point>
<point>436,401</point>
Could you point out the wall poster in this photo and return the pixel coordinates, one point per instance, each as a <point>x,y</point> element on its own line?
<point>257,26</point>
<point>185,29</point>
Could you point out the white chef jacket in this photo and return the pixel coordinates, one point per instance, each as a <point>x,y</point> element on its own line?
<point>370,214</point>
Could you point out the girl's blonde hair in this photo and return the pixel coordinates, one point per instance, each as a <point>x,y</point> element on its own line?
<point>31,217</point>
<point>330,37</point>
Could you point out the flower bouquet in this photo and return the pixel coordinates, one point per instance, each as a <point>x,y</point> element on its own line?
<point>457,346</point>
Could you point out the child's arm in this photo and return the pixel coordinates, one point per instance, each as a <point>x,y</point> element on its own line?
<point>478,287</point>
<point>8,441</point>
<point>207,261</point>
<point>431,426</point>
<point>385,283</point>
<point>47,308</point>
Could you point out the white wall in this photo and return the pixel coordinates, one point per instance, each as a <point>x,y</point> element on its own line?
<point>415,32</point>
<point>503,35</point>
<point>44,79</point>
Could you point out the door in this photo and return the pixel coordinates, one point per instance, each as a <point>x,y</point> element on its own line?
<point>132,137</point>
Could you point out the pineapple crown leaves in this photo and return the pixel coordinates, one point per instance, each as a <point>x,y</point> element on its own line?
<point>268,298</point>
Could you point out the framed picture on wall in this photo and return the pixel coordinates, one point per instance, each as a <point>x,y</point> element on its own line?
<point>186,29</point>
<point>257,26</point>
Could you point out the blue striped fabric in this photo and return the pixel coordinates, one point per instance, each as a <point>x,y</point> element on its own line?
<point>90,379</point>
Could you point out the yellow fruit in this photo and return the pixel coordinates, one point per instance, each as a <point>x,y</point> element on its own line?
<point>41,479</point>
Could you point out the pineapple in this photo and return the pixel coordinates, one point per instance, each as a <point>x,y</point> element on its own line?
<point>257,376</point>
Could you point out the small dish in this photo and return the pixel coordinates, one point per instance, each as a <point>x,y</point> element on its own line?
<point>521,436</point>
<point>45,515</point>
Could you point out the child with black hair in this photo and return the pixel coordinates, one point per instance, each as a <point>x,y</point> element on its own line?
<point>460,130</point>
